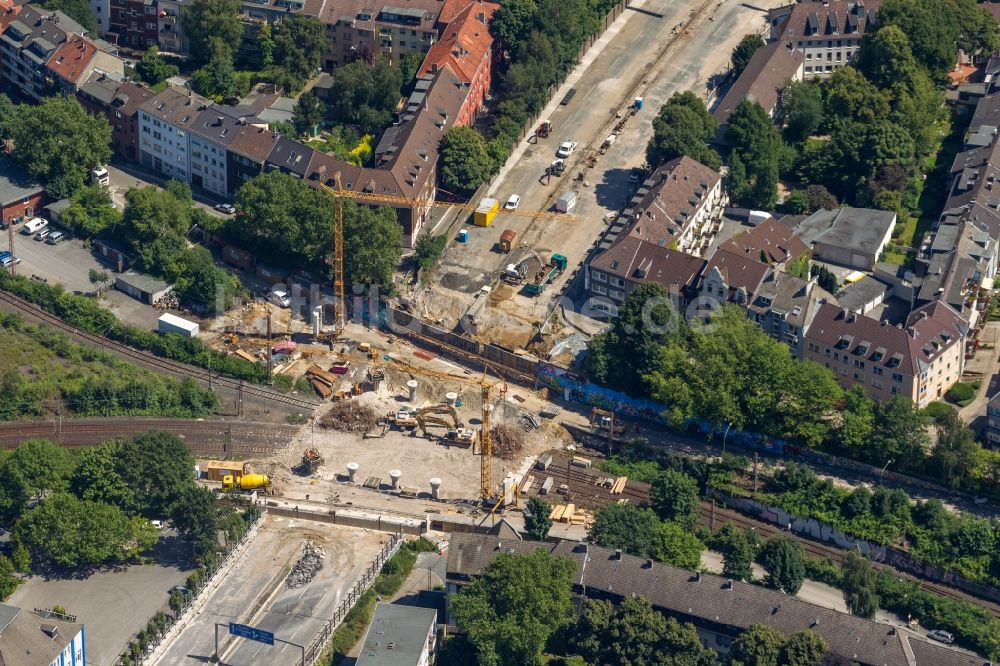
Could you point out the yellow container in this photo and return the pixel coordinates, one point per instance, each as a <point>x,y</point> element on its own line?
<point>487,210</point>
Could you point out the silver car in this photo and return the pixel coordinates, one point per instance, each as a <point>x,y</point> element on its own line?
<point>56,237</point>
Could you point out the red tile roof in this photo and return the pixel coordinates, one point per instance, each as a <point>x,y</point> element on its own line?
<point>678,190</point>
<point>8,12</point>
<point>72,57</point>
<point>737,269</point>
<point>641,261</point>
<point>771,237</point>
<point>464,44</point>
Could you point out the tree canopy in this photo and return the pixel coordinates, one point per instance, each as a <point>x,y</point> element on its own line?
<point>784,560</point>
<point>743,52</point>
<point>299,45</point>
<point>58,142</point>
<point>683,127</point>
<point>537,521</point>
<point>511,610</point>
<point>366,95</point>
<point>206,21</point>
<point>860,586</point>
<point>153,69</point>
<point>464,163</point>
<point>758,155</point>
<point>78,10</point>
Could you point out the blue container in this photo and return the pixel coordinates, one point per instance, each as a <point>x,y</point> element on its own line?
<point>463,235</point>
<point>638,103</point>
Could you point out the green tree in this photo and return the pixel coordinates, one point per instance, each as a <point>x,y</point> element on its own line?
<point>858,503</point>
<point>217,78</point>
<point>36,468</point>
<point>674,495</point>
<point>205,21</point>
<point>513,21</point>
<point>759,645</point>
<point>803,648</point>
<point>67,532</point>
<point>299,45</point>
<point>511,610</point>
<point>91,211</point>
<point>899,435</point>
<point>931,27</point>
<point>860,586</point>
<point>7,112</point>
<point>784,560</point>
<point>79,11</point>
<point>8,577</point>
<point>153,68</point>
<point>796,203</point>
<point>537,521</point>
<point>820,197</point>
<point>857,421</point>
<point>627,527</point>
<point>195,515</point>
<point>587,637</point>
<point>743,52</point>
<point>366,94</point>
<point>57,141</point>
<point>801,110</point>
<point>308,113</point>
<point>372,246</point>
<point>158,467</point>
<point>955,451</point>
<point>463,161</point>
<point>758,155</point>
<point>97,478</point>
<point>682,127</point>
<point>154,224</point>
<point>974,537</point>
<point>738,553</point>
<point>428,248</point>
<point>678,546</point>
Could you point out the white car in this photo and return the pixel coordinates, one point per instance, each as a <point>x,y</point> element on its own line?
<point>227,208</point>
<point>513,202</point>
<point>280,298</point>
<point>566,148</point>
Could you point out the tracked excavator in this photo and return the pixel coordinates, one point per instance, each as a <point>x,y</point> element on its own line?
<point>446,416</point>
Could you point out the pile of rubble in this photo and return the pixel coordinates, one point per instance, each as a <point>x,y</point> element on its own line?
<point>307,567</point>
<point>349,416</point>
<point>507,441</point>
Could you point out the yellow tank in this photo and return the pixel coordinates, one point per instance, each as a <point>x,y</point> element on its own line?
<point>246,482</point>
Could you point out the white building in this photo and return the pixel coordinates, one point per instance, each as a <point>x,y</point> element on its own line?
<point>210,136</point>
<point>400,636</point>
<point>828,34</point>
<point>164,125</point>
<point>30,638</point>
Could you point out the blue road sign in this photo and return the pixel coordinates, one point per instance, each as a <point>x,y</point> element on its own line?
<point>253,633</point>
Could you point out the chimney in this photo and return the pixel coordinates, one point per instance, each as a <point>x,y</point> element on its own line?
<point>618,553</point>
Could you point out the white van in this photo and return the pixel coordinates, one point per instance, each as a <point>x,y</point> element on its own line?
<point>33,225</point>
<point>100,176</point>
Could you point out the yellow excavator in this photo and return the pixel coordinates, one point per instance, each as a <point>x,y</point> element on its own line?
<point>446,416</point>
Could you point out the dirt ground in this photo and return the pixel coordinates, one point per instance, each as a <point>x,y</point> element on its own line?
<point>419,459</point>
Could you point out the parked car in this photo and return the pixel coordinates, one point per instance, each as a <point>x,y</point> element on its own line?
<point>56,237</point>
<point>635,176</point>
<point>566,148</point>
<point>43,234</point>
<point>33,225</point>
<point>9,260</point>
<point>227,208</point>
<point>280,298</point>
<point>941,636</point>
<point>513,202</point>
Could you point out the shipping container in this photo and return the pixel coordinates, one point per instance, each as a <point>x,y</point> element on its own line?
<point>487,210</point>
<point>272,275</point>
<point>168,323</point>
<point>566,202</point>
<point>507,239</point>
<point>215,470</point>
<point>234,256</point>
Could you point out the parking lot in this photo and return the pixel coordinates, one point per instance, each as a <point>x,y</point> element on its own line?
<point>112,604</point>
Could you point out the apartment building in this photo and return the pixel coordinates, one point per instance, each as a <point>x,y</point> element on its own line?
<point>134,23</point>
<point>466,46</point>
<point>400,635</point>
<point>618,271</point>
<point>164,124</point>
<point>29,39</point>
<point>119,101</point>
<point>210,136</point>
<point>993,421</point>
<point>41,638</point>
<point>75,60</point>
<point>784,307</point>
<point>828,34</point>
<point>920,360</point>
<point>247,153</point>
<point>170,27</point>
<point>358,29</point>
<point>765,76</point>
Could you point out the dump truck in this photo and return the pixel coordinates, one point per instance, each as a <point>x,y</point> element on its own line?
<point>513,274</point>
<point>487,210</point>
<point>544,129</point>
<point>246,482</point>
<point>546,275</point>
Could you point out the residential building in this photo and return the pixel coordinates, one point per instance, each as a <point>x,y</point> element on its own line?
<point>29,39</point>
<point>960,261</point>
<point>769,242</point>
<point>762,81</point>
<point>358,29</point>
<point>400,636</point>
<point>76,60</point>
<point>851,237</point>
<point>289,157</point>
<point>828,34</point>
<point>36,638</point>
<point>134,23</point>
<point>170,26</point>
<point>865,295</point>
<point>729,277</point>
<point>164,123</point>
<point>119,101</point>
<point>784,306</point>
<point>20,197</point>
<point>616,272</point>
<point>920,360</point>
<point>719,608</point>
<point>466,46</point>
<point>993,421</point>
<point>247,153</point>
<point>210,136</point>
<point>679,205</point>
<point>102,12</point>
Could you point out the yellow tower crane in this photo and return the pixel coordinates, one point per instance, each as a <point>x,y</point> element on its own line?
<point>485,438</point>
<point>338,194</point>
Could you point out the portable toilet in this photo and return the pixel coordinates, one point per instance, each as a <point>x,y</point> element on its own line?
<point>463,235</point>
<point>638,103</point>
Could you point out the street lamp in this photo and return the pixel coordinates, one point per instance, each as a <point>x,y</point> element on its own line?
<point>883,471</point>
<point>724,436</point>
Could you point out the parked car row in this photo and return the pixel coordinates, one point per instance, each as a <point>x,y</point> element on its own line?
<point>39,226</point>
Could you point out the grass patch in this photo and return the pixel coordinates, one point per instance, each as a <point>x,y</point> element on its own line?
<point>894,257</point>
<point>934,189</point>
<point>906,235</point>
<point>394,574</point>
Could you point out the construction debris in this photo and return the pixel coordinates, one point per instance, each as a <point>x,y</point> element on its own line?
<point>507,441</point>
<point>349,416</point>
<point>307,567</point>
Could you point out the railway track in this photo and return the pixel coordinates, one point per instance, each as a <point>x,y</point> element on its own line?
<point>585,491</point>
<point>221,438</point>
<point>12,303</point>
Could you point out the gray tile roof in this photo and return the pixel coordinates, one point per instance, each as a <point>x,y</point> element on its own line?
<point>15,184</point>
<point>856,296</point>
<point>767,73</point>
<point>396,636</point>
<point>782,292</point>
<point>711,600</point>
<point>24,641</point>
